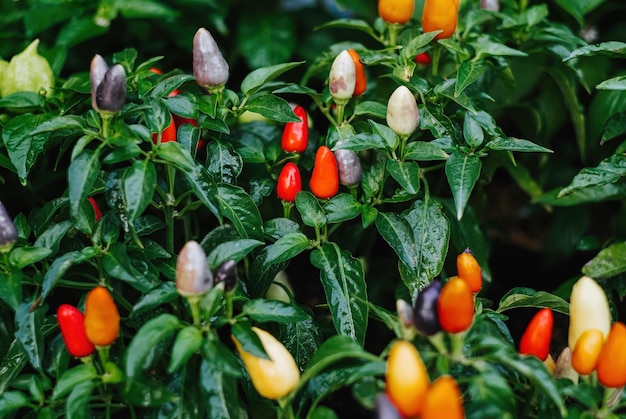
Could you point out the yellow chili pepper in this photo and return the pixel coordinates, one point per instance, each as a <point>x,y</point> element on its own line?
<point>273,378</point>
<point>102,320</point>
<point>440,15</point>
<point>406,378</point>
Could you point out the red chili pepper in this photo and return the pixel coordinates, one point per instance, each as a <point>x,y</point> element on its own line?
<point>423,58</point>
<point>324,181</point>
<point>455,306</point>
<point>72,324</point>
<point>536,339</point>
<point>96,208</point>
<point>289,182</point>
<point>180,120</point>
<point>361,78</point>
<point>296,134</point>
<point>168,134</point>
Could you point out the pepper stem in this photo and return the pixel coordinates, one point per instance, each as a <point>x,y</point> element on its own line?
<point>194,304</point>
<point>103,352</point>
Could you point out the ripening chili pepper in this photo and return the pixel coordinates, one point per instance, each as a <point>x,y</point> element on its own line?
<point>180,120</point>
<point>342,77</point>
<point>72,324</point>
<point>536,338</point>
<point>295,137</point>
<point>360,83</point>
<point>96,208</point>
<point>589,309</point>
<point>209,66</point>
<point>324,181</point>
<point>102,320</point>
<point>406,316</point>
<point>108,85</point>
<point>611,366</point>
<point>396,11</point>
<point>469,270</point>
<point>455,306</point>
<point>425,309</point>
<point>587,351</point>
<point>440,15</point>
<point>8,231</point>
<point>226,272</point>
<point>289,182</point>
<point>168,134</point>
<point>402,112</point>
<point>423,58</point>
<point>349,167</point>
<point>384,408</point>
<point>273,378</point>
<point>193,275</point>
<point>443,400</point>
<point>406,378</point>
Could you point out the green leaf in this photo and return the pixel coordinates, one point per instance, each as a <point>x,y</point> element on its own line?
<point>12,364</point>
<point>415,45</point>
<point>469,71</point>
<point>188,341</point>
<point>139,182</point>
<point>391,138</point>
<point>58,268</point>
<point>302,339</point>
<point>11,288</point>
<point>272,107</point>
<point>221,392</point>
<point>236,205</point>
<point>160,295</point>
<point>515,144</point>
<point>259,77</point>
<point>235,250</point>
<point>82,175</point>
<point>248,339</point>
<point>11,401</point>
<point>370,108</point>
<point>610,170</point>
<point>287,247</point>
<point>531,298</point>
<point>136,9</point>
<point>335,349</point>
<point>406,174</point>
<point>19,100</point>
<point>310,210</point>
<point>472,131</point>
<point>579,8</point>
<point>609,262</point>
<point>341,207</point>
<point>168,85</point>
<point>263,311</point>
<point>615,83</point>
<point>485,47</point>
<point>28,324</point>
<point>150,335</point>
<point>262,274</point>
<point>266,38</point>
<point>362,141</point>
<point>356,24</point>
<point>64,122</point>
<point>462,172</point>
<point>77,402</point>
<point>22,147</point>
<point>223,162</point>
<point>613,49</point>
<point>614,127</point>
<point>71,378</point>
<point>51,238</point>
<point>397,232</point>
<point>421,151</point>
<point>23,256</point>
<point>118,264</point>
<point>343,280</point>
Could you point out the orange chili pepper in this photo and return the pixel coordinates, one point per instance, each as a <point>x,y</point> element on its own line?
<point>455,306</point>
<point>469,270</point>
<point>587,351</point>
<point>611,367</point>
<point>396,11</point>
<point>102,320</point>
<point>361,78</point>
<point>324,181</point>
<point>443,400</point>
<point>440,15</point>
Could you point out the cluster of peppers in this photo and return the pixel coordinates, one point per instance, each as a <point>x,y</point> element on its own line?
<point>595,344</point>
<point>438,307</point>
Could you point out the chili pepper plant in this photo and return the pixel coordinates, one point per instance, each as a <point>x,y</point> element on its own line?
<point>210,211</point>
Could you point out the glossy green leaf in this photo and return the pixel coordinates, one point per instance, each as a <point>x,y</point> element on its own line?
<point>356,24</point>
<point>421,151</point>
<point>266,38</point>
<point>361,141</point>
<point>147,337</point>
<point>516,144</point>
<point>223,162</point>
<point>11,288</point>
<point>28,323</point>
<point>614,49</point>
<point>257,78</point>
<point>82,175</point>
<point>310,210</point>
<point>397,232</point>
<point>221,392</point>
<point>236,205</point>
<point>162,294</point>
<point>188,341</point>
<point>287,247</point>
<point>139,182</point>
<point>12,401</point>
<point>335,349</point>
<point>71,378</point>
<point>262,310</point>
<point>485,47</point>
<point>58,268</point>
<point>469,71</point>
<point>235,250</point>
<point>118,264</point>
<point>248,339</point>
<point>341,207</point>
<point>23,256</point>
<point>532,298</point>
<point>278,227</point>
<point>472,131</point>
<point>302,339</point>
<point>579,8</point>
<point>610,170</point>
<point>406,174</point>
<point>614,83</point>
<point>12,364</point>
<point>462,172</point>
<point>262,273</point>
<point>343,280</point>
<point>272,107</point>
<point>609,262</point>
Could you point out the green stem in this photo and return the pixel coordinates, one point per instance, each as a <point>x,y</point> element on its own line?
<point>436,58</point>
<point>168,210</point>
<point>103,353</point>
<point>286,411</point>
<point>393,33</point>
<point>456,346</point>
<point>106,123</point>
<point>194,304</point>
<point>438,342</point>
<point>229,304</point>
<point>287,208</point>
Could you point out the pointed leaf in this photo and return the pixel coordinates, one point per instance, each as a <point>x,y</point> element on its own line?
<point>259,77</point>
<point>82,175</point>
<point>406,174</point>
<point>28,323</point>
<point>609,262</point>
<point>462,171</point>
<point>236,205</point>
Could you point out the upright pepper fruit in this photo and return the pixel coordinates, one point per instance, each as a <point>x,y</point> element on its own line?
<point>273,378</point>
<point>406,378</point>
<point>295,137</point>
<point>361,79</point>
<point>108,85</point>
<point>402,112</point>
<point>396,11</point>
<point>611,367</point>
<point>587,351</point>
<point>589,309</point>
<point>349,167</point>
<point>425,309</point>
<point>193,275</point>
<point>538,334</point>
<point>289,182</point>
<point>440,15</point>
<point>469,270</point>
<point>443,400</point>
<point>209,66</point>
<point>455,306</point>
<point>102,320</point>
<point>324,181</point>
<point>72,324</point>
<point>384,408</point>
<point>342,77</point>
<point>8,231</point>
<point>27,72</point>
<point>226,272</point>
